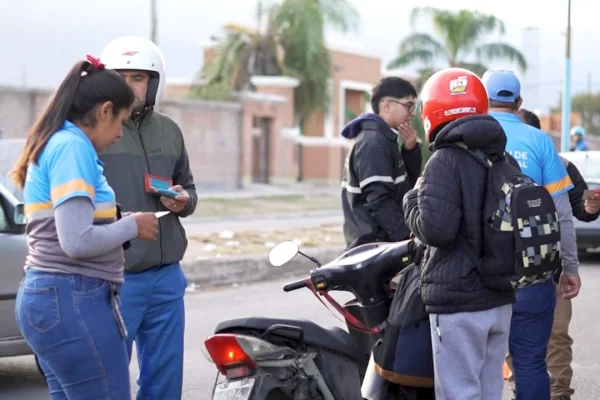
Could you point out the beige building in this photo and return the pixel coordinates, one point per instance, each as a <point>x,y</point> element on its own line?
<point>251,139</point>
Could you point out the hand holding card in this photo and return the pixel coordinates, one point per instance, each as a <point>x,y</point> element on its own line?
<point>159,186</point>
<point>177,203</point>
<point>590,194</point>
<point>592,201</point>
<point>166,192</point>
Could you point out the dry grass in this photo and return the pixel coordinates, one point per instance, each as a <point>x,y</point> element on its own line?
<point>260,242</point>
<point>267,205</point>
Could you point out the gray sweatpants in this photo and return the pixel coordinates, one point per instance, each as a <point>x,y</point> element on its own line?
<point>468,352</point>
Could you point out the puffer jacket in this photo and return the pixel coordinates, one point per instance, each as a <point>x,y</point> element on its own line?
<point>445,211</point>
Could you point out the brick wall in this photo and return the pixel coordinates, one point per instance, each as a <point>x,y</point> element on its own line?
<point>552,123</point>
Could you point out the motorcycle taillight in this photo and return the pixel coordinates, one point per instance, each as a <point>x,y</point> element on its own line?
<point>231,350</point>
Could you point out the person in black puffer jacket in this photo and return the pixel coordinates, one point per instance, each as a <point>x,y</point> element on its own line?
<point>470,323</point>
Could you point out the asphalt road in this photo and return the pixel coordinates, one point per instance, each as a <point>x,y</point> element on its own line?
<point>19,379</point>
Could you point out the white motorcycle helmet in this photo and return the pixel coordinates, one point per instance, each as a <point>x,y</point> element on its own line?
<point>138,53</point>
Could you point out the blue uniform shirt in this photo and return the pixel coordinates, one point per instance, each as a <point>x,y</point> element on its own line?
<point>535,153</point>
<point>68,167</point>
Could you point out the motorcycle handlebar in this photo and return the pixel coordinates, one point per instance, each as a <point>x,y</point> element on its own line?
<point>415,247</point>
<point>294,286</point>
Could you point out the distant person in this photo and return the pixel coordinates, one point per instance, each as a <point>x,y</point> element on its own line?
<point>151,154</point>
<point>578,141</point>
<point>378,173</point>
<point>533,312</point>
<point>560,352</point>
<point>68,303</point>
<point>469,302</point>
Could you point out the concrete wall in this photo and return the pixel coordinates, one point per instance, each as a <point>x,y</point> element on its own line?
<point>18,110</point>
<point>212,131</point>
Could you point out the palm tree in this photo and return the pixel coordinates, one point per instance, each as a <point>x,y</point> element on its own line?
<point>240,54</point>
<point>460,36</point>
<point>289,40</point>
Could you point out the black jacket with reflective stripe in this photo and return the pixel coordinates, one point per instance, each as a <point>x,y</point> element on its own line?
<point>375,178</point>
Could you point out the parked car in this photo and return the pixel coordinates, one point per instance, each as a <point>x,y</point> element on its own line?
<point>13,248</point>
<point>588,163</point>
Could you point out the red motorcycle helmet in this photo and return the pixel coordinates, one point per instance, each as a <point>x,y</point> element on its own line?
<point>450,94</point>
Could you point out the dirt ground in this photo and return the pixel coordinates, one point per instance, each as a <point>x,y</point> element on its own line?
<point>227,243</point>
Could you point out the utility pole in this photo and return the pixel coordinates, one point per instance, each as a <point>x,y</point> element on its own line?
<point>566,100</point>
<point>153,22</point>
<point>589,83</point>
<point>259,15</point>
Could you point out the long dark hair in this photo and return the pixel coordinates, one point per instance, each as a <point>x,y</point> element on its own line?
<point>86,85</point>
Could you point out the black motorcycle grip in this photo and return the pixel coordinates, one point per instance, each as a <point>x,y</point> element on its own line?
<point>294,286</point>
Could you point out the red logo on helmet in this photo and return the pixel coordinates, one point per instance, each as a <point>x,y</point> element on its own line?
<point>129,53</point>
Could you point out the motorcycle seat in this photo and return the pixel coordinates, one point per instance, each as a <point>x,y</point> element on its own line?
<point>333,339</point>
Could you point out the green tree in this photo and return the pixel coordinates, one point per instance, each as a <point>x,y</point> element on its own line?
<point>460,35</point>
<point>290,42</point>
<point>588,106</point>
<point>417,124</point>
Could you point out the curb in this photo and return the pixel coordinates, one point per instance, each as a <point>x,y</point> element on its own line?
<point>256,268</point>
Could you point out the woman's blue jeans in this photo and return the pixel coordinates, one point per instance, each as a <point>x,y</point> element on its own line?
<point>68,321</point>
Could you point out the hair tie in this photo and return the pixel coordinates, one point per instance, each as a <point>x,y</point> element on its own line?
<point>95,62</point>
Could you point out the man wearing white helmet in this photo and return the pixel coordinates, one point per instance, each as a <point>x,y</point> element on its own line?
<point>149,171</point>
<point>578,142</point>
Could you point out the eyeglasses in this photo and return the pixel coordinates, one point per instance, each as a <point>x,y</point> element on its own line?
<point>410,107</point>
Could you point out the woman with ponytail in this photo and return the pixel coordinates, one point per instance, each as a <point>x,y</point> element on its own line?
<point>67,305</point>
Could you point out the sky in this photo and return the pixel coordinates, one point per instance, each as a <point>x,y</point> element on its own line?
<point>41,39</point>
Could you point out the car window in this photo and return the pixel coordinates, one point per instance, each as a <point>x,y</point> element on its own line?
<point>9,152</point>
<point>4,225</point>
<point>7,183</point>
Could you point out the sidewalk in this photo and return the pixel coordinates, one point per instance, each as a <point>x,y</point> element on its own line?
<point>271,190</point>
<point>194,226</point>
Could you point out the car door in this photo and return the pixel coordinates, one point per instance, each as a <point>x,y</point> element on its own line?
<point>13,251</point>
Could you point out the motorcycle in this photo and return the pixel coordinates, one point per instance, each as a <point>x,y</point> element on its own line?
<point>279,359</point>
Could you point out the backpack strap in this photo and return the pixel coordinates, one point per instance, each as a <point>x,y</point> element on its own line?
<point>485,161</point>
<point>475,153</point>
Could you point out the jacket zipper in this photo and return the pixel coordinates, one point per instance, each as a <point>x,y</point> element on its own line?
<point>156,200</point>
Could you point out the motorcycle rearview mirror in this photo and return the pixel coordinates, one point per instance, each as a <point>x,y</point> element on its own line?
<point>282,253</point>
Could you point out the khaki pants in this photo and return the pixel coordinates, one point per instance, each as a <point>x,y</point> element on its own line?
<point>560,352</point>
